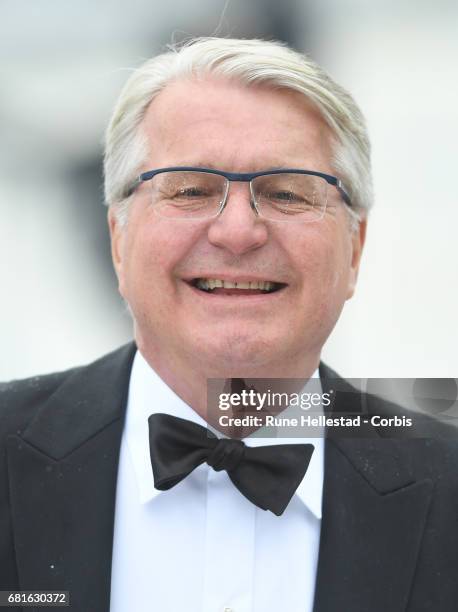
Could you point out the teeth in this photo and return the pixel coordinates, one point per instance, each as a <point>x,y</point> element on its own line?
<point>213,283</point>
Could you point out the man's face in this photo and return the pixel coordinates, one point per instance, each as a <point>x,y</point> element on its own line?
<point>227,126</point>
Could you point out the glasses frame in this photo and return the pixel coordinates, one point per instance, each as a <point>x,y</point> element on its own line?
<point>241,177</point>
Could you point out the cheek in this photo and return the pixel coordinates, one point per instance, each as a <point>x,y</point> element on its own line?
<point>337,257</point>
<point>146,268</point>
<point>325,270</point>
<point>154,252</point>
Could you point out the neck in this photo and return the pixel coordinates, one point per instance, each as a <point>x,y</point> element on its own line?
<point>200,383</point>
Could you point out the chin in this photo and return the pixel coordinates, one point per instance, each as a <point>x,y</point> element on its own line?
<point>238,354</point>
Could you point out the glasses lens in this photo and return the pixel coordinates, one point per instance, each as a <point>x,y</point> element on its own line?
<point>188,194</point>
<point>290,197</point>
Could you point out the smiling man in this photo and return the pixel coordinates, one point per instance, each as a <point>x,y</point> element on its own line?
<point>237,175</point>
<point>253,275</point>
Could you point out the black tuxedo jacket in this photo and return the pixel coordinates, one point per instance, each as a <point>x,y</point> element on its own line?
<point>389,536</point>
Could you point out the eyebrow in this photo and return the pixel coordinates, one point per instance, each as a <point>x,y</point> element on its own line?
<point>212,166</point>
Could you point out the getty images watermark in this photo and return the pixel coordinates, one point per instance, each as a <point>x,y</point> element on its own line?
<point>240,407</point>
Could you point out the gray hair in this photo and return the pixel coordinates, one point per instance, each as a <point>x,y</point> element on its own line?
<point>249,62</point>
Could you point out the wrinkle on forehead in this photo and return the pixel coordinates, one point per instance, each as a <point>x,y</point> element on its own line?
<point>175,115</point>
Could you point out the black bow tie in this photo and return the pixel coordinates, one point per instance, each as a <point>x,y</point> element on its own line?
<point>266,475</point>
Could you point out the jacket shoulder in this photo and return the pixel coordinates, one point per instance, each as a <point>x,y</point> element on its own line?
<point>21,399</point>
<point>428,443</point>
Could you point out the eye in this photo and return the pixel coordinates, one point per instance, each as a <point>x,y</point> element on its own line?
<point>191,192</point>
<point>284,196</point>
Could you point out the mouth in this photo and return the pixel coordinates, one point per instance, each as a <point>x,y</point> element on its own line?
<point>218,286</point>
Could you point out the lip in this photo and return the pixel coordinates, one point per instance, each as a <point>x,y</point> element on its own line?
<point>217,299</point>
<point>231,278</point>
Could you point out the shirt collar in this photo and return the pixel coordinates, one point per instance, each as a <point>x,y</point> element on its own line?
<point>149,394</point>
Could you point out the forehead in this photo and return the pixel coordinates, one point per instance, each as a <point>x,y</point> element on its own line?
<point>229,122</point>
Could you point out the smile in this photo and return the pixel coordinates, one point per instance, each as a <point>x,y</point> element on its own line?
<point>225,287</point>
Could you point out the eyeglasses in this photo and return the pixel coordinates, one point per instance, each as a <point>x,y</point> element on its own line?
<point>288,195</point>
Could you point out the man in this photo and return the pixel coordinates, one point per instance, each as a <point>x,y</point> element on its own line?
<point>238,182</point>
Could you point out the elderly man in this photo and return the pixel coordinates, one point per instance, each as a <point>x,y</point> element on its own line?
<point>238,182</point>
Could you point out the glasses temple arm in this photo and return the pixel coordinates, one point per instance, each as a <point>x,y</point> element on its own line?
<point>343,193</point>
<point>133,186</point>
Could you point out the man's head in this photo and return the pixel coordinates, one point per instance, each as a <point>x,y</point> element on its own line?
<point>238,107</point>
<point>248,62</point>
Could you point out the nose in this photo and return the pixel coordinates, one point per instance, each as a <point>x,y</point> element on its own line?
<point>238,228</point>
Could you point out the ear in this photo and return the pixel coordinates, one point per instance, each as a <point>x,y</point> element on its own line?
<point>358,237</point>
<point>117,235</point>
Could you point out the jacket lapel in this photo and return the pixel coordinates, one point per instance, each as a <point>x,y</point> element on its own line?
<point>62,474</point>
<point>374,513</point>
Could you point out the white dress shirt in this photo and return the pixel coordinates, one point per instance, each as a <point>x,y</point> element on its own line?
<point>202,546</point>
